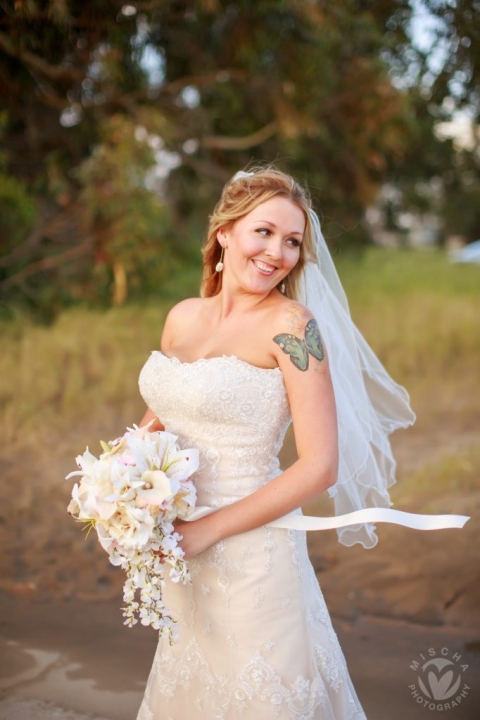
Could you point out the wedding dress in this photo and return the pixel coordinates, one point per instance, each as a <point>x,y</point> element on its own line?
<point>256,640</point>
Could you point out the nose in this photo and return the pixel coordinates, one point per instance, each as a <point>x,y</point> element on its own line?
<point>274,248</point>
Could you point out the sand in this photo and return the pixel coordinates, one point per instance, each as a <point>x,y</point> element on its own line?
<point>65,654</point>
<point>75,661</point>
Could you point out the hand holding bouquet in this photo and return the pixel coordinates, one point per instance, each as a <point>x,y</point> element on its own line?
<point>132,494</point>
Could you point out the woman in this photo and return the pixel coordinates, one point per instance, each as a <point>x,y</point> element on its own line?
<point>235,367</point>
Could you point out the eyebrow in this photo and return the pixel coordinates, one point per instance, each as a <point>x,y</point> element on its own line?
<point>267,222</point>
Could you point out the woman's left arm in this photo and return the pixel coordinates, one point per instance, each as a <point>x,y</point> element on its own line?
<point>305,369</point>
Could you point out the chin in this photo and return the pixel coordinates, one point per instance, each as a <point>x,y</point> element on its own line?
<point>260,288</point>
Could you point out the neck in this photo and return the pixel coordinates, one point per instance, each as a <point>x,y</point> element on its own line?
<point>233,302</point>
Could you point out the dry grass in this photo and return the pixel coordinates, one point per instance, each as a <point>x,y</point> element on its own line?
<point>452,474</point>
<point>418,312</point>
<point>53,378</point>
<point>69,385</point>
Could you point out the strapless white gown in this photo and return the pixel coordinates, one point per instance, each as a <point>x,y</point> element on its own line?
<point>256,640</point>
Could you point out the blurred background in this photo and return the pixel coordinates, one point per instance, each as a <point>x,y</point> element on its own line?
<point>119,124</point>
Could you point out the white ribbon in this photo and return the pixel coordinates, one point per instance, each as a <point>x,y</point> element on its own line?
<point>295,521</point>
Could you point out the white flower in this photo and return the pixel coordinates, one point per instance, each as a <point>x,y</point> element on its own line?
<point>157,488</point>
<point>104,510</point>
<point>132,494</point>
<point>135,526</point>
<point>182,464</point>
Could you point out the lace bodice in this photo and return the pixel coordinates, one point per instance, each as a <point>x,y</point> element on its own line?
<point>255,638</point>
<point>235,413</point>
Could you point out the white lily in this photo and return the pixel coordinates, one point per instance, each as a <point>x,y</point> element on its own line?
<point>157,488</point>
<point>182,464</point>
<point>133,493</point>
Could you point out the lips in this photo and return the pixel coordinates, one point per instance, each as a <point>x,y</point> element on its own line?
<point>264,268</point>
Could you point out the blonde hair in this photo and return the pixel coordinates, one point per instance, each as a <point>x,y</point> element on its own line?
<point>240,196</point>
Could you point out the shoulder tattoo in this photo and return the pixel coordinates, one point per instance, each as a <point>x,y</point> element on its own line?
<point>297,317</point>
<point>299,349</point>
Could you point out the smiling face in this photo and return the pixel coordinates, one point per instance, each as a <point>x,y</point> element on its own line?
<point>263,246</point>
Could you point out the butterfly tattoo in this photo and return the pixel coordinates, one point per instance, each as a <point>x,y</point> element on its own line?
<point>299,349</point>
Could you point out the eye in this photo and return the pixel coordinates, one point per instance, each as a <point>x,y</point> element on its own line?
<point>264,231</point>
<point>293,242</point>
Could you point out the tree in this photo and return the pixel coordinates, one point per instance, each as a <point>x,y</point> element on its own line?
<point>440,169</point>
<point>308,84</point>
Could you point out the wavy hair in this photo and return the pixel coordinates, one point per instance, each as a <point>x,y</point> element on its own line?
<point>240,196</point>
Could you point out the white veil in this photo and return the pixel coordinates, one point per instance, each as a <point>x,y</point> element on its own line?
<point>370,405</point>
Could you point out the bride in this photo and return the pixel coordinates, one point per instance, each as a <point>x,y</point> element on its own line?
<point>236,366</point>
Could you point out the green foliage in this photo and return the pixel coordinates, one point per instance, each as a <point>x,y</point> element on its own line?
<point>313,75</point>
<point>17,212</point>
<point>123,194</point>
<point>335,92</point>
<point>462,197</point>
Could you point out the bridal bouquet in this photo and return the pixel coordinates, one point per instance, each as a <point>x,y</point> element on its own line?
<point>131,495</point>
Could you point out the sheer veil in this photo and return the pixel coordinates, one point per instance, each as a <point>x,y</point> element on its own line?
<point>370,405</point>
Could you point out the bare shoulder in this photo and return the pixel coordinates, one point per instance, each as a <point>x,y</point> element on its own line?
<point>179,318</point>
<point>185,309</point>
<point>291,316</point>
<point>297,337</point>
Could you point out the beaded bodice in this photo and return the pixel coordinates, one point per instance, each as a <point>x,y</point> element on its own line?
<point>255,636</point>
<point>234,413</point>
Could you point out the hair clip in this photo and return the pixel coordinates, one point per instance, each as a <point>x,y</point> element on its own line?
<point>242,174</point>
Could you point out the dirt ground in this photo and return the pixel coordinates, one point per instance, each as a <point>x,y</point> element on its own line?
<point>65,654</point>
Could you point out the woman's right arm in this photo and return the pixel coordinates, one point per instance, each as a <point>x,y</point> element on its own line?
<point>156,424</point>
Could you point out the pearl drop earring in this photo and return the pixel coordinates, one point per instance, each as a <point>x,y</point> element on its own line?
<point>219,265</point>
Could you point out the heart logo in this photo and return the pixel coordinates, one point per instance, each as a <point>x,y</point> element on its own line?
<point>440,687</point>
